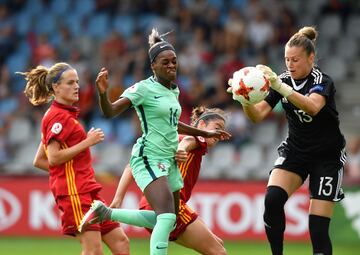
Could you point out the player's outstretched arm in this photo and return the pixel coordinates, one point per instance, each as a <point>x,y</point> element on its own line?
<point>189,130</point>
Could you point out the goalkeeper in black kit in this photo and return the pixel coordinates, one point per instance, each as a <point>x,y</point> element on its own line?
<point>314,147</point>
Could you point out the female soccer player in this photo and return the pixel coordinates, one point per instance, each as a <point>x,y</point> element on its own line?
<point>64,152</point>
<point>314,146</point>
<point>190,231</point>
<point>152,162</point>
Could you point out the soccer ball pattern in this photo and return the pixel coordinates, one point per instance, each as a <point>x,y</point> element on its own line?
<point>249,85</point>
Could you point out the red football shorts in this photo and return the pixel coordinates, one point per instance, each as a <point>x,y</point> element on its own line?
<point>74,207</point>
<point>185,218</point>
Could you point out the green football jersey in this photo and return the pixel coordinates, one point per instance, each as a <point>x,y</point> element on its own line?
<point>159,110</point>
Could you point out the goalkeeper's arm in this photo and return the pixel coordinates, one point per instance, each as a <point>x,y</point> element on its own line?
<point>276,83</point>
<point>311,104</point>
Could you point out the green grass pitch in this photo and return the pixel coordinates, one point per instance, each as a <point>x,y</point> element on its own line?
<point>62,246</point>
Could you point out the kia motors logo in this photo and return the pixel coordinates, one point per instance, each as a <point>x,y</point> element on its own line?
<point>10,209</point>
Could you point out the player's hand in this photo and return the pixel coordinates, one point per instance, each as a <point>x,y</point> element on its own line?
<point>102,82</point>
<point>230,88</point>
<point>95,136</point>
<point>180,156</point>
<point>218,134</point>
<point>275,82</point>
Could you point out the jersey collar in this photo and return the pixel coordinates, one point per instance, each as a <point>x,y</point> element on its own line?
<point>173,85</point>
<point>72,109</point>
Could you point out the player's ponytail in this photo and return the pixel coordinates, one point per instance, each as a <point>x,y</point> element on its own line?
<point>40,80</point>
<point>305,38</point>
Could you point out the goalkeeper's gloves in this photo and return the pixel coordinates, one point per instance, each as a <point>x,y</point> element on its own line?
<point>229,89</point>
<point>275,82</point>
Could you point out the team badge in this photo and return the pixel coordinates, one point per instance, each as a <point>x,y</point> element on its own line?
<point>56,128</point>
<point>161,166</point>
<point>201,139</point>
<point>133,88</point>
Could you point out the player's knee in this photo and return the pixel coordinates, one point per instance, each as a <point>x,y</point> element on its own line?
<point>122,245</point>
<point>275,198</point>
<point>93,248</point>
<point>218,250</point>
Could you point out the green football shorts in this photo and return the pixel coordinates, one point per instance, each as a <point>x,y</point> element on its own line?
<point>146,170</point>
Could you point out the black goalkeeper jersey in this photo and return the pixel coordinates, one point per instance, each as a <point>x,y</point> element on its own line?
<point>311,137</point>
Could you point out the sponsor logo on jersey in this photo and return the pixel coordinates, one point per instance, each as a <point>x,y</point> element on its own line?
<point>201,139</point>
<point>56,128</point>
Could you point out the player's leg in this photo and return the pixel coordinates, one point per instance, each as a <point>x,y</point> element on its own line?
<point>320,213</point>
<point>199,237</point>
<point>325,189</point>
<point>160,197</point>
<point>90,243</point>
<point>117,241</point>
<point>281,185</point>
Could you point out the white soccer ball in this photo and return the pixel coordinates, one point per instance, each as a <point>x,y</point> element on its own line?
<point>249,85</point>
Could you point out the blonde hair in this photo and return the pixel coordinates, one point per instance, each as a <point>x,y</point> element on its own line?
<point>206,114</point>
<point>40,80</point>
<point>306,38</point>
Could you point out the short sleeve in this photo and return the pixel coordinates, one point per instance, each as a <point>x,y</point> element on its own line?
<point>324,87</point>
<point>202,144</point>
<point>136,93</point>
<point>58,128</point>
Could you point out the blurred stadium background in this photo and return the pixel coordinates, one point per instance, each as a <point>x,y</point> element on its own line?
<point>213,39</point>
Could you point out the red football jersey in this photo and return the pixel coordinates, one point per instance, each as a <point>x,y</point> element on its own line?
<point>76,176</point>
<point>189,169</point>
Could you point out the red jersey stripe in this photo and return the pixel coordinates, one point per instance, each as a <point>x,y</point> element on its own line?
<point>185,166</point>
<point>74,198</point>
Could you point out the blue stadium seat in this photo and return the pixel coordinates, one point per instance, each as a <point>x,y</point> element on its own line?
<point>84,7</point>
<point>124,25</point>
<point>24,23</point>
<point>17,62</point>
<point>60,7</point>
<point>74,23</point>
<point>45,24</point>
<point>98,26</point>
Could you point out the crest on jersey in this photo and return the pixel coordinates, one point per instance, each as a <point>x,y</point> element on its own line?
<point>56,128</point>
<point>133,88</point>
<point>201,139</point>
<point>161,166</point>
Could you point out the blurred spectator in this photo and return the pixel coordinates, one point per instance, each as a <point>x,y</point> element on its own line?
<point>44,52</point>
<point>7,33</point>
<point>260,31</point>
<point>87,98</point>
<point>112,48</point>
